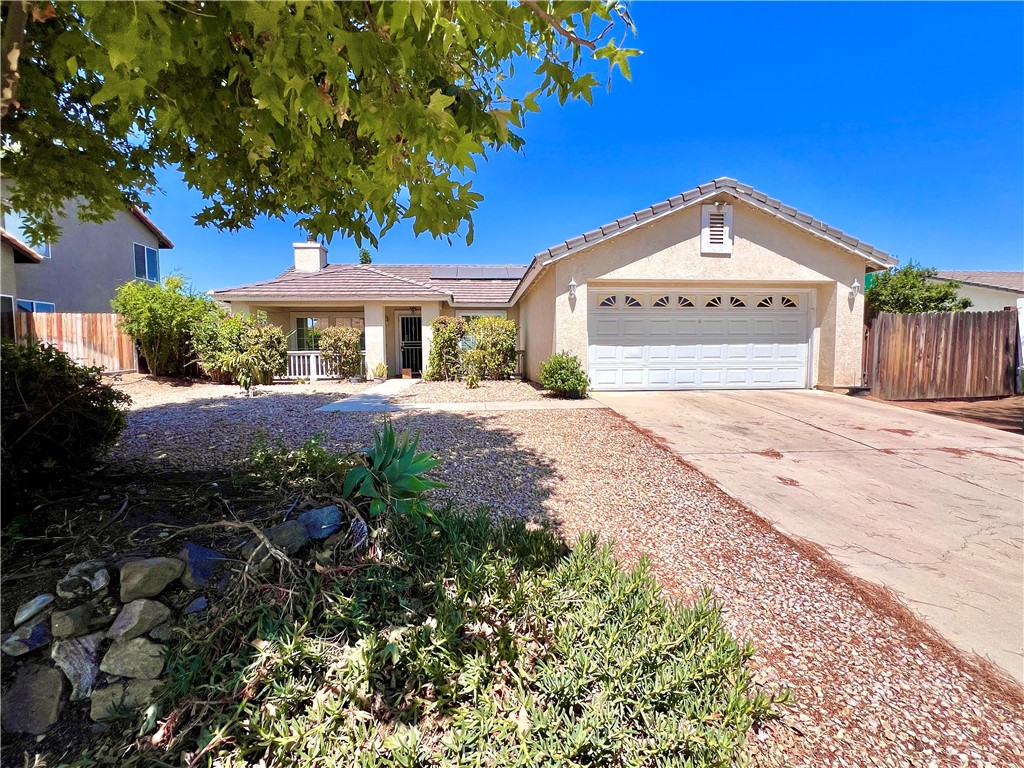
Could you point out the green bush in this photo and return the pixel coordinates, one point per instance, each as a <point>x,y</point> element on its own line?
<point>444,357</point>
<point>494,338</point>
<point>472,367</point>
<point>57,416</point>
<point>461,641</point>
<point>339,348</point>
<point>162,318</point>
<point>241,348</point>
<point>563,374</point>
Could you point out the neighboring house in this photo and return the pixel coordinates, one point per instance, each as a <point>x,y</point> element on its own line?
<point>988,291</point>
<point>719,287</point>
<point>80,271</point>
<point>13,251</point>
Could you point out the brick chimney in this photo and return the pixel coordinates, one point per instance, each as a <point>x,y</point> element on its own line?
<point>310,256</point>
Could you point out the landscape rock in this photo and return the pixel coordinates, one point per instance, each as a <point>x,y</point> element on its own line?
<point>72,622</point>
<point>33,608</point>
<point>140,658</point>
<point>289,537</point>
<point>161,634</point>
<point>77,659</point>
<point>360,533</point>
<point>84,580</point>
<point>201,565</point>
<point>321,523</point>
<point>137,618</point>
<point>198,605</point>
<point>148,578</point>
<point>33,702</point>
<point>33,634</point>
<point>123,699</point>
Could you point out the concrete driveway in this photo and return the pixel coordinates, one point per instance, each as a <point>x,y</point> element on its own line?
<point>931,507</point>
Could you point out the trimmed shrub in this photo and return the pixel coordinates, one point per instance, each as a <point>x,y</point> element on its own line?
<point>563,374</point>
<point>242,348</point>
<point>472,365</point>
<point>339,347</point>
<point>161,318</point>
<point>494,338</point>
<point>57,416</point>
<point>444,359</point>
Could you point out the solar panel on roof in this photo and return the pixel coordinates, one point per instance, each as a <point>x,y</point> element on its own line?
<point>467,272</point>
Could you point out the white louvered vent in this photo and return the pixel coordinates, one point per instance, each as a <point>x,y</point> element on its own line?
<point>716,229</point>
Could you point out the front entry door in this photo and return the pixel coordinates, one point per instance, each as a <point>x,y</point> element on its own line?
<point>410,352</point>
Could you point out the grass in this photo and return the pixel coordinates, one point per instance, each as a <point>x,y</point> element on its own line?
<point>461,642</point>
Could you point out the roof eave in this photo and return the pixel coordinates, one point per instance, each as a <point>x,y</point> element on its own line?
<point>23,253</point>
<point>162,240</point>
<point>1015,291</point>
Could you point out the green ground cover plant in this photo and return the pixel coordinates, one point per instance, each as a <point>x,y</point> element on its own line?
<point>451,639</point>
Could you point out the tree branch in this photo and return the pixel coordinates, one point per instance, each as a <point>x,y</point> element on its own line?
<point>13,41</point>
<point>556,24</point>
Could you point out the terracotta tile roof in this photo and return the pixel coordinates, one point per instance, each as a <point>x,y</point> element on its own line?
<point>703,192</point>
<point>339,282</point>
<point>23,253</point>
<point>1004,281</point>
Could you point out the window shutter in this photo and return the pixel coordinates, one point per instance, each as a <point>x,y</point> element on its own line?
<point>716,229</point>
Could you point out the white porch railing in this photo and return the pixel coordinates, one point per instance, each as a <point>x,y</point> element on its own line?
<point>309,365</point>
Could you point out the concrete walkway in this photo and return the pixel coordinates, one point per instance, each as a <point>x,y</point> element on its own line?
<point>930,507</point>
<point>378,400</point>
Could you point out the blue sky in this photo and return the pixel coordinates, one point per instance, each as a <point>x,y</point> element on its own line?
<point>902,124</point>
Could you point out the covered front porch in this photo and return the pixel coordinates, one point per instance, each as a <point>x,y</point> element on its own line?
<point>396,334</point>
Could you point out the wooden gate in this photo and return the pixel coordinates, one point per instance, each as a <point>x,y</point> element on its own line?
<point>91,338</point>
<point>940,355</point>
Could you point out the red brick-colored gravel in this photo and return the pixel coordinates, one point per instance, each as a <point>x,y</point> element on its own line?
<point>872,685</point>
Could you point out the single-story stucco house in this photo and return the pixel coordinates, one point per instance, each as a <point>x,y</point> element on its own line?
<point>988,291</point>
<point>718,287</point>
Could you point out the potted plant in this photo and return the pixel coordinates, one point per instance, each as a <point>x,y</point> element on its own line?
<point>563,374</point>
<point>380,372</point>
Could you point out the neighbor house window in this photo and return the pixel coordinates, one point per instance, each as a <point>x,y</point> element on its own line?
<point>25,305</point>
<point>147,263</point>
<point>14,223</point>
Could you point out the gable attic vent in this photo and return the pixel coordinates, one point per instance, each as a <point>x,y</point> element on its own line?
<point>716,229</point>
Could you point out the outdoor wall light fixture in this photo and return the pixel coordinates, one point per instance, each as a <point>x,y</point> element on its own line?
<point>572,288</point>
<point>856,286</point>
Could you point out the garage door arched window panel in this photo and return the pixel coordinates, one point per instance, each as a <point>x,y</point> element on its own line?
<point>661,302</point>
<point>686,302</point>
<point>790,302</point>
<point>737,302</point>
<point>632,302</point>
<point>608,302</point>
<point>715,302</point>
<point>766,302</point>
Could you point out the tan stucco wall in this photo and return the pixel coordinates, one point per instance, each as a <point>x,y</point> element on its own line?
<point>536,312</point>
<point>8,273</point>
<point>765,250</point>
<point>988,299</point>
<point>89,262</point>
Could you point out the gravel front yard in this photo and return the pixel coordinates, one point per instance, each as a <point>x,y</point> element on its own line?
<point>871,685</point>
<point>457,392</point>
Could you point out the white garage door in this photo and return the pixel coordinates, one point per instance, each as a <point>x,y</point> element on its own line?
<point>680,339</point>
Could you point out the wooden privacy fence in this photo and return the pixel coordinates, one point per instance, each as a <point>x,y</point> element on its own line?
<point>91,339</point>
<point>938,355</point>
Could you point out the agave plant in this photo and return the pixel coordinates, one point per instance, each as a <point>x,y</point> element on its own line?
<point>393,477</point>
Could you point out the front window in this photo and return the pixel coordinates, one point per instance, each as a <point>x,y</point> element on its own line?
<point>7,317</point>
<point>26,305</point>
<point>307,334</point>
<point>147,263</point>
<point>14,223</point>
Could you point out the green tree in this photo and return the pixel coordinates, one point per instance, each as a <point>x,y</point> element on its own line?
<point>364,256</point>
<point>908,290</point>
<point>163,319</point>
<point>352,116</point>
